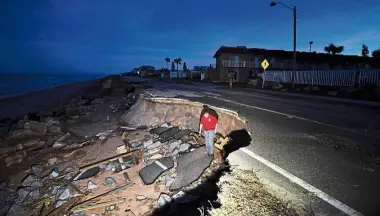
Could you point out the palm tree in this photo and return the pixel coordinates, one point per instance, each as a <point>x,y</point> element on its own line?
<point>333,50</point>
<point>167,59</point>
<point>178,61</point>
<point>338,50</point>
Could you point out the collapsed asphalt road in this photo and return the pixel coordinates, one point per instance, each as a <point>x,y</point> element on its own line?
<point>331,147</point>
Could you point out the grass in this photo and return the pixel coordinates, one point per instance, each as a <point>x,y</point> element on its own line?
<point>243,194</point>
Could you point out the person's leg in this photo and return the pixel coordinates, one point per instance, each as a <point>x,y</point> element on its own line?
<point>211,137</point>
<point>207,141</point>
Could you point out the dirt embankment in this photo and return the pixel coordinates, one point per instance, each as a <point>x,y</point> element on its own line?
<point>157,111</point>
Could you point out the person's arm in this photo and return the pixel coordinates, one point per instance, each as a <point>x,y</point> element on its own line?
<point>200,125</point>
<point>216,126</point>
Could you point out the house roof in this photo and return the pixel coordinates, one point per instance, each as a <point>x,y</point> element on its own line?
<point>301,56</point>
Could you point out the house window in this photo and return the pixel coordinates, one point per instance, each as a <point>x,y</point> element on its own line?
<point>234,58</point>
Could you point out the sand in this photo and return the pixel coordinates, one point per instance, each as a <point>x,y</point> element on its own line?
<point>36,101</point>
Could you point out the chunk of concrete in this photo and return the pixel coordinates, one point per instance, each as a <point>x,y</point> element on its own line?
<point>154,145</point>
<point>167,135</point>
<point>36,169</point>
<point>6,194</point>
<point>16,210</point>
<point>54,173</point>
<point>63,138</point>
<point>58,203</point>
<point>87,173</point>
<point>174,145</point>
<point>91,185</point>
<point>151,172</point>
<point>168,180</point>
<point>163,200</point>
<point>156,157</point>
<point>190,167</point>
<point>159,130</point>
<point>109,181</point>
<point>183,147</point>
<point>52,161</point>
<point>21,134</point>
<point>103,135</point>
<point>153,151</point>
<point>31,180</point>
<point>59,144</point>
<point>32,196</point>
<point>54,129</point>
<point>140,198</point>
<point>37,127</point>
<point>148,143</point>
<point>30,142</point>
<point>26,195</point>
<point>181,134</point>
<point>64,193</point>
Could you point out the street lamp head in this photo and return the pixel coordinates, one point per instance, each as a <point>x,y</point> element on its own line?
<point>273,3</point>
<point>311,42</point>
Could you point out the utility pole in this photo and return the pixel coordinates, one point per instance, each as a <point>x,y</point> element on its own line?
<point>310,58</point>
<point>294,44</point>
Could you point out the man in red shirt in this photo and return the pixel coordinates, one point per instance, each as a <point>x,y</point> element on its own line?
<point>209,123</point>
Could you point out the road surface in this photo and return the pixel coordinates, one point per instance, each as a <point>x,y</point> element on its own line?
<point>333,148</point>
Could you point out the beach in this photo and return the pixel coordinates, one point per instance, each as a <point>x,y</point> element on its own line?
<point>36,101</point>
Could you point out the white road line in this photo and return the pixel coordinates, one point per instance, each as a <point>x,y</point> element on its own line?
<point>322,195</point>
<point>160,165</point>
<point>292,116</point>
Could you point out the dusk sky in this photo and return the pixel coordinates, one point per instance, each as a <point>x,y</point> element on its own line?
<point>108,36</point>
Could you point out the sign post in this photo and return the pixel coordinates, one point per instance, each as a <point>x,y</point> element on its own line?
<point>264,65</point>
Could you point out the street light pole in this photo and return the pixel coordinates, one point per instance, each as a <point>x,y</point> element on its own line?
<point>294,44</point>
<point>294,9</point>
<point>310,58</point>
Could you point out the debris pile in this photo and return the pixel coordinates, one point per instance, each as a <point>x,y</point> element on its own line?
<point>82,158</point>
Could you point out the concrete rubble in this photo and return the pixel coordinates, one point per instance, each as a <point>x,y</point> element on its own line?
<point>79,151</point>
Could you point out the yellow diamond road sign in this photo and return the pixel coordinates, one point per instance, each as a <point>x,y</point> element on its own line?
<point>265,64</point>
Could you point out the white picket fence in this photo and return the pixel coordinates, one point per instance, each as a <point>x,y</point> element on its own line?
<point>369,77</point>
<point>329,78</point>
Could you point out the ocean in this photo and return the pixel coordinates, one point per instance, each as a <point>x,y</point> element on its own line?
<point>18,84</point>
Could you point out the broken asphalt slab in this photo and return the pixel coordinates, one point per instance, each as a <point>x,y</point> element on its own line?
<point>190,167</point>
<point>151,172</point>
<point>167,135</point>
<point>159,130</point>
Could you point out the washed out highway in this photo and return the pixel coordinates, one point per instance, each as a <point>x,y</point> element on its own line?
<point>322,154</point>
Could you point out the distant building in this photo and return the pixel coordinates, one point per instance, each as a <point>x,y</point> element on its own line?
<point>201,68</point>
<point>179,74</point>
<point>243,62</point>
<point>146,70</point>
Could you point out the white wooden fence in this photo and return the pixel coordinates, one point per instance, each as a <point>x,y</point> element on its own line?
<point>329,78</point>
<point>369,77</point>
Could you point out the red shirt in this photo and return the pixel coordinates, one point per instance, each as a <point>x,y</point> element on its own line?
<point>209,123</point>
